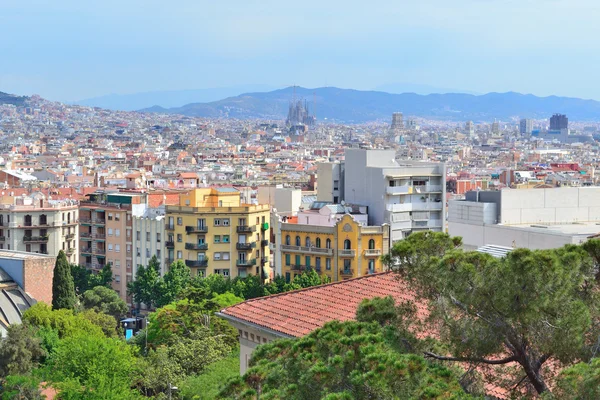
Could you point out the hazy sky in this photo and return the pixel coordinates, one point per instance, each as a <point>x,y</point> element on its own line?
<point>74,49</point>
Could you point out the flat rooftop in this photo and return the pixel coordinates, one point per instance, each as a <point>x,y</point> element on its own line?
<point>573,229</point>
<point>22,255</point>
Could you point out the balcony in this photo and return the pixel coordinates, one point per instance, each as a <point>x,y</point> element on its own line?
<point>264,243</point>
<point>70,236</point>
<point>428,206</point>
<point>169,261</point>
<point>170,244</point>
<point>246,263</point>
<point>347,253</point>
<point>70,250</point>
<point>393,190</point>
<point>245,246</point>
<point>245,229</point>
<point>85,236</point>
<point>197,263</point>
<point>100,251</point>
<point>169,227</point>
<point>307,250</point>
<point>297,267</point>
<point>372,252</point>
<point>35,239</point>
<point>86,250</point>
<point>347,272</point>
<point>427,188</point>
<point>100,236</point>
<point>2,238</point>
<point>98,221</point>
<point>196,229</point>
<point>85,221</point>
<point>430,224</point>
<point>196,246</point>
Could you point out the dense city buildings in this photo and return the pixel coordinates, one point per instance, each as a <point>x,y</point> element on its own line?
<point>525,126</point>
<point>558,122</point>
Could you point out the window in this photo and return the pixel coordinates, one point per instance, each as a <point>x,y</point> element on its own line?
<point>179,255</point>
<point>179,221</point>
<point>110,232</point>
<point>110,216</point>
<point>225,255</point>
<point>307,261</point>
<point>318,263</point>
<point>288,259</point>
<point>118,217</point>
<point>371,266</point>
<point>117,232</point>
<point>318,243</point>
<point>225,222</point>
<point>298,262</point>
<point>217,238</point>
<point>328,243</point>
<point>287,277</point>
<point>118,248</point>
<point>371,244</point>
<point>147,253</point>
<point>201,223</point>
<point>217,256</point>
<point>297,240</point>
<point>288,240</point>
<point>117,263</point>
<point>158,254</point>
<point>179,237</point>
<point>147,236</point>
<point>137,251</point>
<point>138,235</point>
<point>347,265</point>
<point>307,242</point>
<point>347,244</point>
<point>217,222</point>
<point>225,238</point>
<point>128,232</point>
<point>158,237</point>
<point>128,248</point>
<point>225,272</point>
<point>328,264</point>
<point>110,247</point>
<point>242,221</point>
<point>117,278</point>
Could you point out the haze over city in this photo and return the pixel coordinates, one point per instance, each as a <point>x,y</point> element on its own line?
<point>70,50</point>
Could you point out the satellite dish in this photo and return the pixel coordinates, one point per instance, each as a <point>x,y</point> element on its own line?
<point>343,202</point>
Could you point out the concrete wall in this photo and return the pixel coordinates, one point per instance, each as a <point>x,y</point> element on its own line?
<point>469,212</point>
<point>284,200</point>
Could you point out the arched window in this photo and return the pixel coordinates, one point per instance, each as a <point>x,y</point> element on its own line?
<point>328,244</point>
<point>43,219</point>
<point>1,220</point>
<point>69,218</point>
<point>347,244</point>
<point>371,244</point>
<point>297,240</point>
<point>28,220</point>
<point>318,243</point>
<point>307,242</point>
<point>288,240</point>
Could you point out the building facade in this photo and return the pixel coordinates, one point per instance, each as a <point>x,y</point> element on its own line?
<point>525,126</point>
<point>35,224</point>
<point>149,239</point>
<point>343,251</point>
<point>214,233</point>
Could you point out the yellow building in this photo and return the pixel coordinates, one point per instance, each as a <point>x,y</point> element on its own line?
<point>345,250</point>
<point>215,234</point>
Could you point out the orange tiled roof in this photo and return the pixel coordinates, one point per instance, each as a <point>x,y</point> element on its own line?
<point>302,311</point>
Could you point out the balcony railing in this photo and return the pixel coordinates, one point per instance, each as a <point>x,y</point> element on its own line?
<point>170,244</point>
<point>196,229</point>
<point>398,190</point>
<point>69,236</point>
<point>169,261</point>
<point>100,236</point>
<point>246,263</point>
<point>197,263</point>
<point>347,271</point>
<point>245,246</point>
<point>347,253</point>
<point>87,250</point>
<point>99,221</point>
<point>372,252</point>
<point>35,239</point>
<point>70,250</point>
<point>85,221</point>
<point>298,267</point>
<point>100,251</point>
<point>246,229</point>
<point>85,235</point>
<point>169,227</point>
<point>196,246</point>
<point>309,250</point>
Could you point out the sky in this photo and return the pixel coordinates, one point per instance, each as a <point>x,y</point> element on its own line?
<point>70,50</point>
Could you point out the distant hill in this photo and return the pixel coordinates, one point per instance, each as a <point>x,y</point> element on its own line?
<point>355,106</point>
<point>6,98</point>
<point>167,99</point>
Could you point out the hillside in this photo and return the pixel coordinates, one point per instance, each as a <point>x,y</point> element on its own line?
<point>355,106</point>
<point>6,98</point>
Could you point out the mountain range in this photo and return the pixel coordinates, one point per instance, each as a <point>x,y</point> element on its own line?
<point>6,98</point>
<point>355,106</point>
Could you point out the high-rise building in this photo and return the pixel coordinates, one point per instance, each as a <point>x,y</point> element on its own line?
<point>214,233</point>
<point>558,122</point>
<point>397,122</point>
<point>469,128</point>
<point>35,224</point>
<point>495,128</point>
<point>525,126</point>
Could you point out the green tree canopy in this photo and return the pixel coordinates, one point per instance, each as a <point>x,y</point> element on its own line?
<point>146,285</point>
<point>64,322</point>
<point>105,300</point>
<point>342,360</point>
<point>21,351</point>
<point>63,287</point>
<point>524,309</point>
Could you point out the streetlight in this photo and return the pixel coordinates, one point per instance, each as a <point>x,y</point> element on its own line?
<point>171,389</point>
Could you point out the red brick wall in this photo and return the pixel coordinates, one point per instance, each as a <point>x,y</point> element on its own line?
<point>37,278</point>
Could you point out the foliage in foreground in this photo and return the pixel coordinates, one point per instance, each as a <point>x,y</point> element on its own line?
<point>207,385</point>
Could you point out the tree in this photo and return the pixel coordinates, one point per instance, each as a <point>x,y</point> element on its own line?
<point>92,367</point>
<point>21,351</point>
<point>64,322</point>
<point>105,300</point>
<point>63,287</point>
<point>207,385</point>
<point>173,283</point>
<point>145,288</point>
<point>310,278</point>
<point>341,360</point>
<point>580,381</point>
<point>525,309</point>
<point>22,387</point>
<point>85,279</point>
<point>107,323</point>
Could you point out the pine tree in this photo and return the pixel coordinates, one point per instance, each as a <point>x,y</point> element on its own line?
<point>63,287</point>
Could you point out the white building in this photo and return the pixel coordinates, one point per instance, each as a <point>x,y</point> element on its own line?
<point>330,178</point>
<point>531,218</point>
<point>149,238</point>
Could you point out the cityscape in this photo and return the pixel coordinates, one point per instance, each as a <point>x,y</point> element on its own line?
<point>376,241</point>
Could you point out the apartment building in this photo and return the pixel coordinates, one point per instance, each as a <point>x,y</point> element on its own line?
<point>36,224</point>
<point>408,195</point>
<point>149,238</point>
<point>106,234</point>
<point>213,232</point>
<point>342,251</point>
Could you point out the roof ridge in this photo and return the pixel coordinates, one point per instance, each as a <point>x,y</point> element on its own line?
<point>307,289</point>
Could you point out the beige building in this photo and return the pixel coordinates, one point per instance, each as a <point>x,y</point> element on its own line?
<point>106,234</point>
<point>36,224</point>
